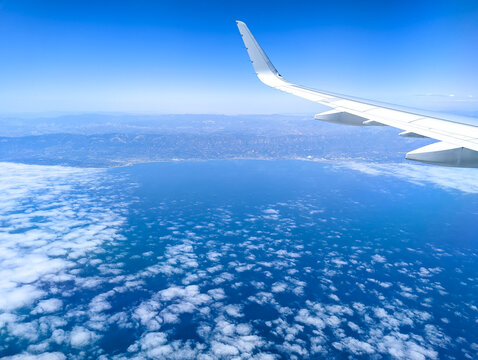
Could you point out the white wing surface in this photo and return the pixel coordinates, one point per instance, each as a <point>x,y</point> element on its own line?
<point>457,136</point>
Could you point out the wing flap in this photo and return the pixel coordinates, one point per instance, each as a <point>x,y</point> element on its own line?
<point>445,154</point>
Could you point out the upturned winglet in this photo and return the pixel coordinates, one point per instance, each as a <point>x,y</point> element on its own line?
<point>264,68</point>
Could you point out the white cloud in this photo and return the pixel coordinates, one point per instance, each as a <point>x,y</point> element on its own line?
<point>44,356</point>
<point>52,227</point>
<point>354,346</point>
<point>81,337</point>
<point>279,287</point>
<point>379,258</point>
<point>178,284</point>
<point>217,294</point>
<point>14,297</point>
<point>399,346</point>
<point>464,180</point>
<point>233,310</point>
<point>305,317</point>
<point>224,350</point>
<point>152,340</point>
<point>48,306</point>
<point>271,214</point>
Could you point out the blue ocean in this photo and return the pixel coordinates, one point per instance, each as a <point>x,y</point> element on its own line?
<point>239,259</point>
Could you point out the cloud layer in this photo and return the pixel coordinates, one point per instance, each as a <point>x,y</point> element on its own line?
<point>464,180</point>
<point>91,268</point>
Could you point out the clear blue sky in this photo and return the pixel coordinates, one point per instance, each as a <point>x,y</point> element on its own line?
<point>187,57</point>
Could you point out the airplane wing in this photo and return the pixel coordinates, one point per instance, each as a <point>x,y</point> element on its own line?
<point>457,136</point>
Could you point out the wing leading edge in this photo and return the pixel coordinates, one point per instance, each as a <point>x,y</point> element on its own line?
<point>458,138</point>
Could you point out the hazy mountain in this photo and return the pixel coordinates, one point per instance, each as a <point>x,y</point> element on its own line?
<point>110,140</point>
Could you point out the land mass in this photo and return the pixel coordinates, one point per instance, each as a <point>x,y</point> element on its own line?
<point>114,140</point>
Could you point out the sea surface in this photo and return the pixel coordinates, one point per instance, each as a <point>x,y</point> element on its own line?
<point>239,259</point>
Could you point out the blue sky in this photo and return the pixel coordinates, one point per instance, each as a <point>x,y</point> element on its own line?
<point>187,57</point>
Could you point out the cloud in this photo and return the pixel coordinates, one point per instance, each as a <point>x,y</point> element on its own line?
<point>354,346</point>
<point>17,296</point>
<point>279,287</point>
<point>81,337</point>
<point>48,306</point>
<point>400,346</point>
<point>217,294</point>
<point>52,228</point>
<point>223,350</point>
<point>464,180</point>
<point>43,356</point>
<point>233,310</point>
<point>379,258</point>
<point>213,287</point>
<point>271,214</point>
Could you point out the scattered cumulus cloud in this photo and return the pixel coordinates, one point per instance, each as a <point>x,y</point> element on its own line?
<point>210,284</point>
<point>464,180</point>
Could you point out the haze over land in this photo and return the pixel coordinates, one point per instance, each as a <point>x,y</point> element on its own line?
<point>112,140</point>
